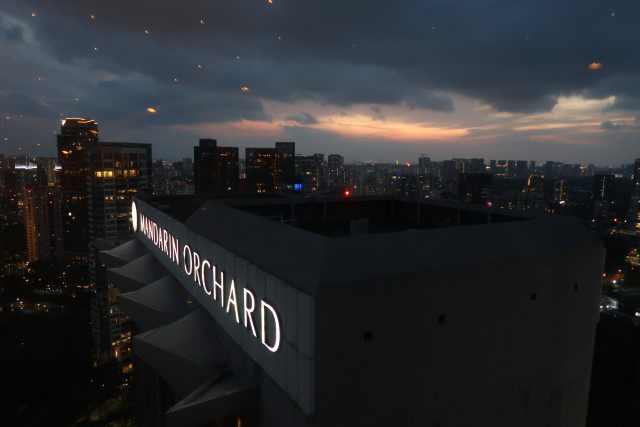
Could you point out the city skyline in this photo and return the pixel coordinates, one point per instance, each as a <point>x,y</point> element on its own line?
<point>311,213</point>
<point>497,86</point>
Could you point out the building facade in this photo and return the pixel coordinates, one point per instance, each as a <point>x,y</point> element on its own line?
<point>215,169</point>
<point>76,137</point>
<point>286,165</point>
<point>261,169</point>
<point>412,313</point>
<point>117,173</point>
<point>42,224</point>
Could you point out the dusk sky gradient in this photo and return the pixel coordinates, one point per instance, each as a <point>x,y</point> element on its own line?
<point>367,79</point>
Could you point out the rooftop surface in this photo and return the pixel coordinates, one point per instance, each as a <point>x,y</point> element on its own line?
<point>340,216</point>
<point>311,243</point>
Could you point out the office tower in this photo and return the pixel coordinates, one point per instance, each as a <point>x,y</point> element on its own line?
<point>309,172</point>
<point>474,165</point>
<point>636,174</point>
<point>159,178</point>
<point>187,167</point>
<point>475,187</point>
<point>20,173</point>
<point>501,169</point>
<point>531,198</point>
<point>603,186</point>
<point>522,169</point>
<point>335,170</point>
<point>286,165</point>
<point>532,166</point>
<point>424,165</point>
<point>215,168</point>
<point>560,192</point>
<point>261,168</point>
<point>76,137</point>
<point>406,185</point>
<point>43,224</point>
<point>321,167</point>
<point>178,167</point>
<point>511,169</point>
<point>570,171</point>
<point>117,172</point>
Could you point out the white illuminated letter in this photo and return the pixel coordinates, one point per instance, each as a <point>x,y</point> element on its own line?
<point>276,341</point>
<point>217,285</point>
<point>232,300</point>
<point>175,243</point>
<point>248,318</point>
<point>165,237</point>
<point>188,266</point>
<point>205,264</point>
<point>196,267</point>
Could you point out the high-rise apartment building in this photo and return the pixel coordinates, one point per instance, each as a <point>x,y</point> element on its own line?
<point>309,172</point>
<point>261,166</point>
<point>475,187</point>
<point>117,172</point>
<point>335,170</point>
<point>76,137</point>
<point>286,164</point>
<point>215,169</point>
<point>603,186</point>
<point>522,169</point>
<point>424,165</point>
<point>42,223</point>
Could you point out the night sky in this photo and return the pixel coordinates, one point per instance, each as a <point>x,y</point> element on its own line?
<point>536,79</point>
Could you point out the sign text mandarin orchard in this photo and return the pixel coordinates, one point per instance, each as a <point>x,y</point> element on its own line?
<point>206,275</point>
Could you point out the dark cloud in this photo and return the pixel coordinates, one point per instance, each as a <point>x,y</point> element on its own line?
<point>303,119</point>
<point>11,31</point>
<point>19,104</point>
<point>513,56</point>
<point>609,125</point>
<point>516,57</point>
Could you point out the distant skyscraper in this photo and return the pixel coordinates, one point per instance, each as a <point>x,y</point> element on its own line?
<point>522,169</point>
<point>286,164</point>
<point>42,223</point>
<point>76,137</point>
<point>215,168</point>
<point>532,196</point>
<point>511,169</point>
<point>187,167</point>
<point>335,170</point>
<point>501,169</point>
<point>475,187</point>
<point>261,168</point>
<point>117,172</point>
<point>159,178</point>
<point>474,165</point>
<point>424,165</point>
<point>636,174</point>
<point>560,191</point>
<point>603,186</point>
<point>309,172</point>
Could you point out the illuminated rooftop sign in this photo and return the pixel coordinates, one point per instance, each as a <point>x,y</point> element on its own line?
<point>258,317</point>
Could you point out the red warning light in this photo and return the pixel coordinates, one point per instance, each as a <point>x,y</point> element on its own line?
<point>346,192</point>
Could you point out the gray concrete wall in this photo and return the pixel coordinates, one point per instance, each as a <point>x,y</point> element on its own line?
<point>500,358</point>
